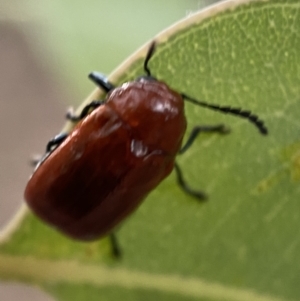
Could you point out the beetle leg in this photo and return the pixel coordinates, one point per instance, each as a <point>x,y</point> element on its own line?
<point>101,80</point>
<point>51,146</point>
<point>220,128</point>
<point>185,187</point>
<point>55,142</point>
<point>85,111</point>
<point>115,245</point>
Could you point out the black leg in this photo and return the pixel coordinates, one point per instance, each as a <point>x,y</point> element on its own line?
<point>101,80</point>
<point>115,245</point>
<point>51,146</point>
<point>182,183</point>
<point>56,141</point>
<point>93,105</point>
<point>220,128</point>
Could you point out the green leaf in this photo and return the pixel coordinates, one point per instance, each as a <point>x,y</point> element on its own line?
<point>243,244</point>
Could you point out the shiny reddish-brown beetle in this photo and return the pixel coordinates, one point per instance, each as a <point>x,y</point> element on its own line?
<point>121,149</point>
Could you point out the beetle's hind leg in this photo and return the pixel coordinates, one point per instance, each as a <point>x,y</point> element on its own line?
<point>220,128</point>
<point>55,142</point>
<point>116,251</point>
<point>51,146</point>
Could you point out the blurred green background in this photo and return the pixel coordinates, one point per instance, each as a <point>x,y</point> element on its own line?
<point>47,48</point>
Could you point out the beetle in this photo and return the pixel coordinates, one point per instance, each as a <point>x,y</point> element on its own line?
<point>121,148</point>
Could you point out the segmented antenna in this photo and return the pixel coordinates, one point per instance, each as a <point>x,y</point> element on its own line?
<point>149,55</point>
<point>224,109</point>
<point>233,111</point>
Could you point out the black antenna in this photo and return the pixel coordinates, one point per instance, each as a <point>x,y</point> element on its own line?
<point>148,57</point>
<point>233,111</point>
<point>224,109</point>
